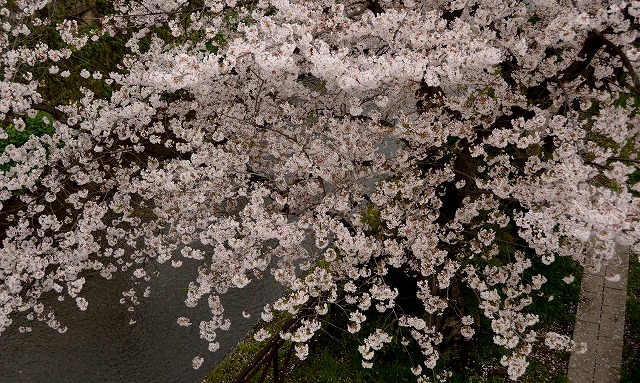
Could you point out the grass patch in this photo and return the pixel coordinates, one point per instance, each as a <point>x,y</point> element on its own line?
<point>556,307</point>
<point>337,362</point>
<point>336,358</point>
<point>630,372</point>
<point>33,126</point>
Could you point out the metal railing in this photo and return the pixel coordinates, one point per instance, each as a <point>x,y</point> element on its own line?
<point>268,357</point>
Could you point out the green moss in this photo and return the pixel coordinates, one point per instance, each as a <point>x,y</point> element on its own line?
<point>33,127</point>
<point>534,150</point>
<point>372,219</point>
<point>103,55</point>
<point>592,111</point>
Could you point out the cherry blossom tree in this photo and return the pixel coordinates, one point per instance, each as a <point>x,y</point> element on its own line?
<point>402,137</point>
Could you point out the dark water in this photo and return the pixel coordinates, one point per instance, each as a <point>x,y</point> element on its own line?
<point>101,346</point>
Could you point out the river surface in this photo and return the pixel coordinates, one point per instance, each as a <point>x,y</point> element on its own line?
<point>101,346</point>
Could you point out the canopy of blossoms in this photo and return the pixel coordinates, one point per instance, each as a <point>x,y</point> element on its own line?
<point>402,136</point>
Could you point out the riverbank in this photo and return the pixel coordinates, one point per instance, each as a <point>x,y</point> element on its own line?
<point>335,356</point>
<point>244,352</point>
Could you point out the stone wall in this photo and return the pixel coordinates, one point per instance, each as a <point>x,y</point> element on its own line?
<point>83,10</point>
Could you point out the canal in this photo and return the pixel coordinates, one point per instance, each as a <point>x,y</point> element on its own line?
<point>100,345</point>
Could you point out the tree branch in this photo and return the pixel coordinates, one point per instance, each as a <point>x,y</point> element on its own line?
<point>625,60</point>
<point>623,160</point>
<point>55,112</point>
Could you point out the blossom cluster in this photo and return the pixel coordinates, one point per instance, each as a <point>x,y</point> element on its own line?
<point>347,148</point>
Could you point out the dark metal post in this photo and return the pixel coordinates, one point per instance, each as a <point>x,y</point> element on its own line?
<point>275,363</point>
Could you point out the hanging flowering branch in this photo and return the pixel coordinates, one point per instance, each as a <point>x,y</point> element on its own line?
<point>406,139</point>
